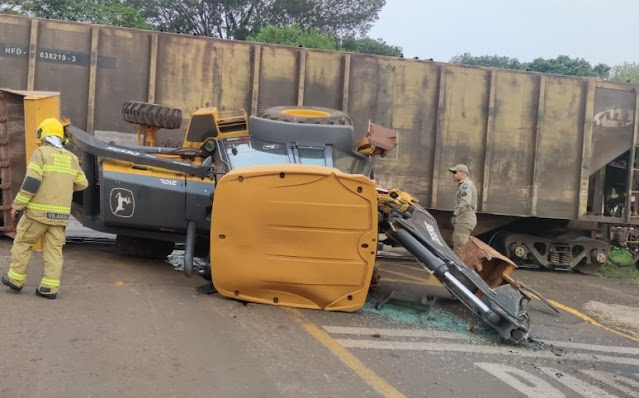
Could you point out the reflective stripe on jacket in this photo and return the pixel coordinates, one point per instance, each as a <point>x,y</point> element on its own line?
<point>53,174</point>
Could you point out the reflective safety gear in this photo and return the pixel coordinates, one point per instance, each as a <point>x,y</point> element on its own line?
<point>53,174</point>
<point>50,126</point>
<point>28,233</point>
<point>17,276</point>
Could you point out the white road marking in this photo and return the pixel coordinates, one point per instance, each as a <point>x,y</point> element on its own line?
<point>580,387</point>
<point>478,349</point>
<point>460,336</point>
<point>623,384</point>
<point>593,347</point>
<point>533,387</point>
<point>398,332</point>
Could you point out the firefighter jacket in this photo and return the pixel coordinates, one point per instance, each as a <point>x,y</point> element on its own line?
<point>53,174</point>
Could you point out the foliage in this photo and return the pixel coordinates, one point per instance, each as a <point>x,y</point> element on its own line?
<point>10,7</point>
<point>107,12</point>
<point>239,19</point>
<point>602,71</point>
<point>494,61</point>
<point>311,38</point>
<point>626,72</point>
<point>294,36</point>
<point>232,19</point>
<point>366,45</point>
<point>620,265</point>
<point>336,17</point>
<point>562,65</point>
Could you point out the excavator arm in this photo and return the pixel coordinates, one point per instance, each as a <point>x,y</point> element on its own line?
<point>500,304</point>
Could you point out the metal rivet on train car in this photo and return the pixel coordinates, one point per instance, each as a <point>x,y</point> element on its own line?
<point>222,236</point>
<point>359,189</point>
<point>282,175</point>
<point>275,300</point>
<point>350,298</point>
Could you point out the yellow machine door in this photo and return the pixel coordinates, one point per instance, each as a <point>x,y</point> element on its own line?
<point>294,235</point>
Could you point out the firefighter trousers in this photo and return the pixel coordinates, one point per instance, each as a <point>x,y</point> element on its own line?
<point>28,233</point>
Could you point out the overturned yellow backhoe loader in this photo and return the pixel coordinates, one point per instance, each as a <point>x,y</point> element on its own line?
<point>283,206</point>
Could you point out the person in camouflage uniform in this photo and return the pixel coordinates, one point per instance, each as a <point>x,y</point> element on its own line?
<point>53,174</point>
<point>464,218</point>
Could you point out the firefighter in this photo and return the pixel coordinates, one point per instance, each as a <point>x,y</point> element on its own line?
<point>53,174</point>
<point>464,217</point>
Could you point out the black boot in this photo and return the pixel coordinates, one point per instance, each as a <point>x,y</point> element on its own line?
<point>12,287</point>
<point>207,288</point>
<point>45,292</point>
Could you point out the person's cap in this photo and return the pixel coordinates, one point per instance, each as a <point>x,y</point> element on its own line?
<point>459,167</point>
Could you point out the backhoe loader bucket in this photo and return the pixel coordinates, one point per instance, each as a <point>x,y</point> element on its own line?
<point>294,235</point>
<point>20,114</point>
<point>488,262</point>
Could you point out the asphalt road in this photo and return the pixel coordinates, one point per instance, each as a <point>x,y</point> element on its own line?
<point>125,327</point>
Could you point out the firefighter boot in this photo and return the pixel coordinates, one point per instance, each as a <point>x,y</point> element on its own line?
<point>8,283</point>
<point>45,292</point>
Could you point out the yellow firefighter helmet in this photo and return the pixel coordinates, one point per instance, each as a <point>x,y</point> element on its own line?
<point>51,127</point>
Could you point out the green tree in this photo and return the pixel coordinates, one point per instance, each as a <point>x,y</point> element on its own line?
<point>107,12</point>
<point>294,36</point>
<point>366,45</point>
<point>10,7</point>
<point>562,65</point>
<point>626,72</point>
<point>239,19</point>
<point>602,71</point>
<point>337,17</point>
<point>494,61</point>
<point>312,38</point>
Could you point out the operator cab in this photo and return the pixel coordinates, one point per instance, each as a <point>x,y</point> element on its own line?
<point>276,142</point>
<point>235,153</point>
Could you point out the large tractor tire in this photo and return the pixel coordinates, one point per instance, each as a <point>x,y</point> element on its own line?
<point>307,115</point>
<point>151,115</point>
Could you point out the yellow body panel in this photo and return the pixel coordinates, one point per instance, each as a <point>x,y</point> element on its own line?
<point>120,166</point>
<point>309,241</point>
<point>38,105</point>
<point>228,124</point>
<point>127,167</point>
<point>305,112</point>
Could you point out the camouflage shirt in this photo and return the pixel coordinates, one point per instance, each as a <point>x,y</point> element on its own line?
<point>466,202</point>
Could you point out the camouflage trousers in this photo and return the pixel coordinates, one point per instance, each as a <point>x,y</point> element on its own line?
<point>28,233</point>
<point>461,235</point>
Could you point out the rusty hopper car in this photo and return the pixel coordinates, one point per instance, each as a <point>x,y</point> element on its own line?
<point>553,157</point>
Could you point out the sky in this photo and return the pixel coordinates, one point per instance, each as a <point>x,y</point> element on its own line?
<point>600,31</point>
